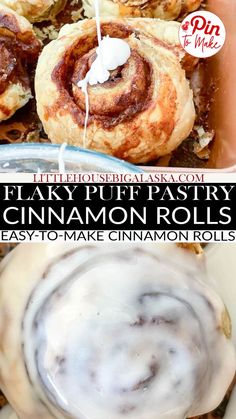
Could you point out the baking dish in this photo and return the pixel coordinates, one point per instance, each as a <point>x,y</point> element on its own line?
<point>222,70</point>
<point>219,76</point>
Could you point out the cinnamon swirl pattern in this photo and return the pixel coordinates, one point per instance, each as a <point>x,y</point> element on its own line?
<point>36,10</point>
<point>145,109</point>
<point>111,331</point>
<point>162,9</point>
<point>19,48</point>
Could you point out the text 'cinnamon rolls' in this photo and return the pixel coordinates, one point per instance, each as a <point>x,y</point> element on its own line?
<point>162,9</point>
<point>19,48</point>
<point>35,10</point>
<point>94,332</point>
<point>145,109</point>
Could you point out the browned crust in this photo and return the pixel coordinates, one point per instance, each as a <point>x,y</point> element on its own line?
<point>147,8</point>
<point>126,104</point>
<point>17,49</point>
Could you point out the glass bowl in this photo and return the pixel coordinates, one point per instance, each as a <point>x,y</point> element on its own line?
<point>52,158</point>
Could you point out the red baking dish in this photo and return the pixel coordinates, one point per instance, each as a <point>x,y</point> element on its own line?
<point>220,70</point>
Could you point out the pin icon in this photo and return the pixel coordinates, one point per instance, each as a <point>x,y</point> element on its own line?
<point>185,26</point>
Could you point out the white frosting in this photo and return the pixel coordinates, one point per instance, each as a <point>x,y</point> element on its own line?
<point>97,17</point>
<point>61,161</point>
<point>125,334</point>
<point>116,331</point>
<point>221,266</point>
<point>111,53</point>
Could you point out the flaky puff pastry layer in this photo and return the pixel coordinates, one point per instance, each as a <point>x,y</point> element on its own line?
<point>162,9</point>
<point>146,108</point>
<point>15,97</point>
<point>18,47</point>
<point>35,10</point>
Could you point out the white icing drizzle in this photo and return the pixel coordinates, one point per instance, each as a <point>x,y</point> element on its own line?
<point>97,17</point>
<point>139,336</point>
<point>85,91</point>
<point>61,161</point>
<point>111,53</point>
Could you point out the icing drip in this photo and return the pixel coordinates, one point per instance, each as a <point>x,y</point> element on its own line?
<point>61,161</point>
<point>140,336</point>
<point>111,53</point>
<point>97,17</point>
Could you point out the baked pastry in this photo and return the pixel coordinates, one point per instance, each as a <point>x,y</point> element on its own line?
<point>19,47</point>
<point>145,109</point>
<point>162,9</point>
<point>95,331</point>
<point>36,10</point>
<point>7,413</point>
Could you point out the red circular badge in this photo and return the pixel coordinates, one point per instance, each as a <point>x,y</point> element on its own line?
<point>202,34</point>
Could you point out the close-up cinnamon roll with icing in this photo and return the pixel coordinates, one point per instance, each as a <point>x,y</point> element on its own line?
<point>35,10</point>
<point>19,48</point>
<point>94,331</point>
<point>162,9</point>
<point>143,110</point>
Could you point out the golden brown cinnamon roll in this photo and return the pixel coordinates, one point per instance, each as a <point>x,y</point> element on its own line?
<point>35,10</point>
<point>145,109</point>
<point>119,331</point>
<point>162,9</point>
<point>19,47</point>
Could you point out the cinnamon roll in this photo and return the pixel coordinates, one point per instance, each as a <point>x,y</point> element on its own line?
<point>145,109</point>
<point>112,331</point>
<point>36,10</point>
<point>162,9</point>
<point>19,48</point>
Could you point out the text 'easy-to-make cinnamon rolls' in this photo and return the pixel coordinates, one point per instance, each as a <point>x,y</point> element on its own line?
<point>35,10</point>
<point>162,9</point>
<point>145,109</point>
<point>19,48</point>
<point>118,331</point>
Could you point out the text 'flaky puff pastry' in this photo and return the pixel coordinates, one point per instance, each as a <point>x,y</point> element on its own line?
<point>145,109</point>
<point>35,10</point>
<point>19,48</point>
<point>162,9</point>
